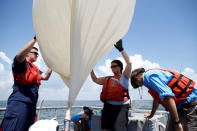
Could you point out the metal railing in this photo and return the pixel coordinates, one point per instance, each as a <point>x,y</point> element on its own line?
<point>56,108</point>
<point>65,107</point>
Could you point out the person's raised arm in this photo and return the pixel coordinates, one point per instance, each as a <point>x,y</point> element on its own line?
<point>99,80</point>
<point>154,108</point>
<point>45,76</point>
<point>127,71</point>
<point>20,57</point>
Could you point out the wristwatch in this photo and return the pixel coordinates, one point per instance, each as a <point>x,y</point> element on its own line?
<point>177,122</point>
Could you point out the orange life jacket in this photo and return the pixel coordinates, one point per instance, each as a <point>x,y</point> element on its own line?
<point>181,87</point>
<point>30,77</point>
<point>112,90</point>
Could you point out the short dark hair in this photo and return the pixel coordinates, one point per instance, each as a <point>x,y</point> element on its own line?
<point>35,48</point>
<point>135,73</point>
<point>119,63</point>
<point>90,111</point>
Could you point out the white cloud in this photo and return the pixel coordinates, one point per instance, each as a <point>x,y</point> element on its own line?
<point>190,73</point>
<point>90,90</point>
<point>6,79</point>
<point>55,89</point>
<point>105,69</point>
<point>1,67</point>
<point>5,58</point>
<point>6,82</point>
<point>137,62</point>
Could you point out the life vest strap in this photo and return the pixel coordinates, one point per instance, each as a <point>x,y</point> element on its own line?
<point>30,65</point>
<point>176,83</point>
<point>184,90</point>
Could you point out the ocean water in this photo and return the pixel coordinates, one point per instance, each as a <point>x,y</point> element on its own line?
<point>51,113</point>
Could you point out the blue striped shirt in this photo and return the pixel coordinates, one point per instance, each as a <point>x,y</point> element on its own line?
<point>158,81</point>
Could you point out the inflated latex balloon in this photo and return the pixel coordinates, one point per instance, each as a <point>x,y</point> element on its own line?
<point>73,35</point>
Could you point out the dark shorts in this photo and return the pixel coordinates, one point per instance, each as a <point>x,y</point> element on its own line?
<point>188,117</point>
<point>19,116</point>
<point>114,117</point>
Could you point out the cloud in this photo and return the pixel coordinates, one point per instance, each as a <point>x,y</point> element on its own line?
<point>6,79</point>
<point>1,67</point>
<point>105,69</point>
<point>55,89</point>
<point>90,90</point>
<point>190,73</point>
<point>137,62</point>
<point>5,58</point>
<point>6,82</point>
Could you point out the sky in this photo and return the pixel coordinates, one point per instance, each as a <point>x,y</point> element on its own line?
<point>163,34</point>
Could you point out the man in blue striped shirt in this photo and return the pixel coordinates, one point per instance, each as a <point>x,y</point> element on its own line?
<point>174,91</point>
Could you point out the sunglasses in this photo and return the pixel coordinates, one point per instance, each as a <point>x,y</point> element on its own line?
<point>36,53</point>
<point>114,66</point>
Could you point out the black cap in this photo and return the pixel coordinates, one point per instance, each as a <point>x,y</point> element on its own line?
<point>88,108</point>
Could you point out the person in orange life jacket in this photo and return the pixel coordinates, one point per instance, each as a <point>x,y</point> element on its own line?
<point>21,106</point>
<point>174,91</point>
<point>82,121</point>
<point>114,94</point>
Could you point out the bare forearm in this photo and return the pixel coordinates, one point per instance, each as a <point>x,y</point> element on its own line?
<point>170,103</point>
<point>99,80</point>
<point>126,57</point>
<point>154,107</point>
<point>46,75</point>
<point>93,76</point>
<point>127,71</point>
<point>23,52</point>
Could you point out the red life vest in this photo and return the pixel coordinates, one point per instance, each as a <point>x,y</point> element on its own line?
<point>84,125</point>
<point>112,90</point>
<point>30,77</point>
<point>1,125</point>
<point>181,87</point>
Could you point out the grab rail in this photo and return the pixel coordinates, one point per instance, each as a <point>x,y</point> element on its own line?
<point>93,107</point>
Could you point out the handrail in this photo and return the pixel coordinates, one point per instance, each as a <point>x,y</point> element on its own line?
<point>2,109</point>
<point>148,111</point>
<point>58,107</point>
<point>93,107</point>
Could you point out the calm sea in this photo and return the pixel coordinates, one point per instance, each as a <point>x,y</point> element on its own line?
<point>50,113</point>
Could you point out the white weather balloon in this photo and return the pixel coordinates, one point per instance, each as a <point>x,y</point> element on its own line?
<point>73,35</point>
